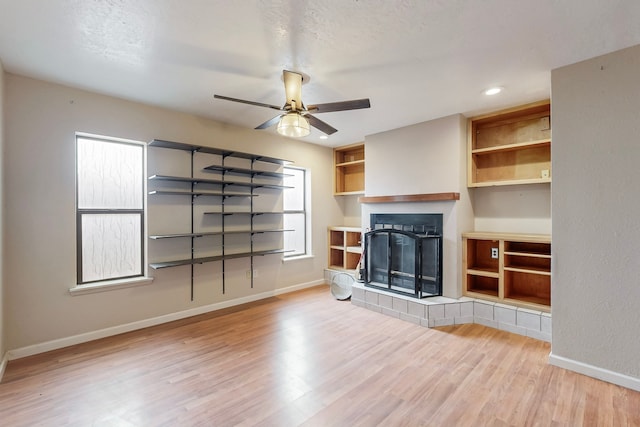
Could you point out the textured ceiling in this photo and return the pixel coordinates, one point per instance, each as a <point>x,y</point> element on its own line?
<point>416,60</point>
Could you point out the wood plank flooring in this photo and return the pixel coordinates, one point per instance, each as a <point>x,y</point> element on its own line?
<point>307,359</point>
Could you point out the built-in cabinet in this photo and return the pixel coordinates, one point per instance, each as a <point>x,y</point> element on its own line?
<point>510,146</point>
<point>345,243</point>
<point>345,247</point>
<point>349,169</point>
<point>508,267</point>
<point>218,191</point>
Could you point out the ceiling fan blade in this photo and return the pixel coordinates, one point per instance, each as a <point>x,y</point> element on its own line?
<point>269,122</point>
<point>259,104</point>
<point>293,87</point>
<point>320,125</point>
<point>356,104</point>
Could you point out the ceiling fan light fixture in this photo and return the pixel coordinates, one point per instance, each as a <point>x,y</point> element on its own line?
<point>293,125</point>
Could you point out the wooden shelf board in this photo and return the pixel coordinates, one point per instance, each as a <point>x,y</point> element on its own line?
<point>483,273</point>
<point>511,147</point>
<point>527,300</point>
<point>349,193</point>
<point>429,197</point>
<point>489,235</point>
<point>483,293</point>
<point>352,163</point>
<point>511,182</point>
<point>345,228</point>
<point>528,254</point>
<point>528,270</point>
<point>354,249</point>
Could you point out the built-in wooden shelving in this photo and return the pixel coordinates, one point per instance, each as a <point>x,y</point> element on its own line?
<point>345,247</point>
<point>508,267</point>
<point>510,147</point>
<point>349,169</point>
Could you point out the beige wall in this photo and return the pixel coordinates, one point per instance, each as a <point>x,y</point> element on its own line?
<point>40,260</point>
<point>513,208</point>
<point>352,210</point>
<point>596,206</point>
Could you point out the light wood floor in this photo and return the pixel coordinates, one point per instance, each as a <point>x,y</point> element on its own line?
<point>306,359</point>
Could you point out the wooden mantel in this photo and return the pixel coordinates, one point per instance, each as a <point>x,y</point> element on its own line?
<point>430,197</point>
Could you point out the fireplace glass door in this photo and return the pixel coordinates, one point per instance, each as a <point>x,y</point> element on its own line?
<point>403,262</point>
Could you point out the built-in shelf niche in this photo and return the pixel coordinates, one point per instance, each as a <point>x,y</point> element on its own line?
<point>510,146</point>
<point>349,169</point>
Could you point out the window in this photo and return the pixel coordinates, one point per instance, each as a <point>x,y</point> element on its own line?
<point>109,208</point>
<point>296,206</point>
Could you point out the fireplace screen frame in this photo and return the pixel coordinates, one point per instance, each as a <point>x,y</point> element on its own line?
<point>420,277</point>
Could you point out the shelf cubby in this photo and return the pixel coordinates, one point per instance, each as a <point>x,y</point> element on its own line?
<point>349,169</point>
<point>345,247</point>
<point>510,146</point>
<point>478,256</point>
<point>527,287</point>
<point>482,284</point>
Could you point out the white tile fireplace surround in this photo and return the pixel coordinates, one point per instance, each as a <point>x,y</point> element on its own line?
<point>443,311</point>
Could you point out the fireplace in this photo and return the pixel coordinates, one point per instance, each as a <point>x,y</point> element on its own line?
<point>404,254</point>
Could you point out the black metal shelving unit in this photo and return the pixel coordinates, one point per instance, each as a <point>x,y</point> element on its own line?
<point>224,194</point>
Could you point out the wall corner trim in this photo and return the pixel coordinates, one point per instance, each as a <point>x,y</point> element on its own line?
<point>3,364</point>
<point>595,372</point>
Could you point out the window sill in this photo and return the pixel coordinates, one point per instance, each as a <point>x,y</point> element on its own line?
<point>109,285</point>
<point>297,258</point>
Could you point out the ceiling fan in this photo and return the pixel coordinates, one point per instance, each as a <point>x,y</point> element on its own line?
<point>296,118</point>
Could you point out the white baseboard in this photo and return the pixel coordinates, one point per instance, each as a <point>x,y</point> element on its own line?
<point>595,372</point>
<point>128,327</point>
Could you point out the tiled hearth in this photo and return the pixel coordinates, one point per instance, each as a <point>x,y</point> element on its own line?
<point>442,311</point>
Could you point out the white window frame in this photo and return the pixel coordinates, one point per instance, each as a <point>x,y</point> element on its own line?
<point>306,211</point>
<point>140,278</point>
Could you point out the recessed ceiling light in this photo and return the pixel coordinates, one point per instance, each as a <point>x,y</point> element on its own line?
<point>324,137</point>
<point>493,90</point>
